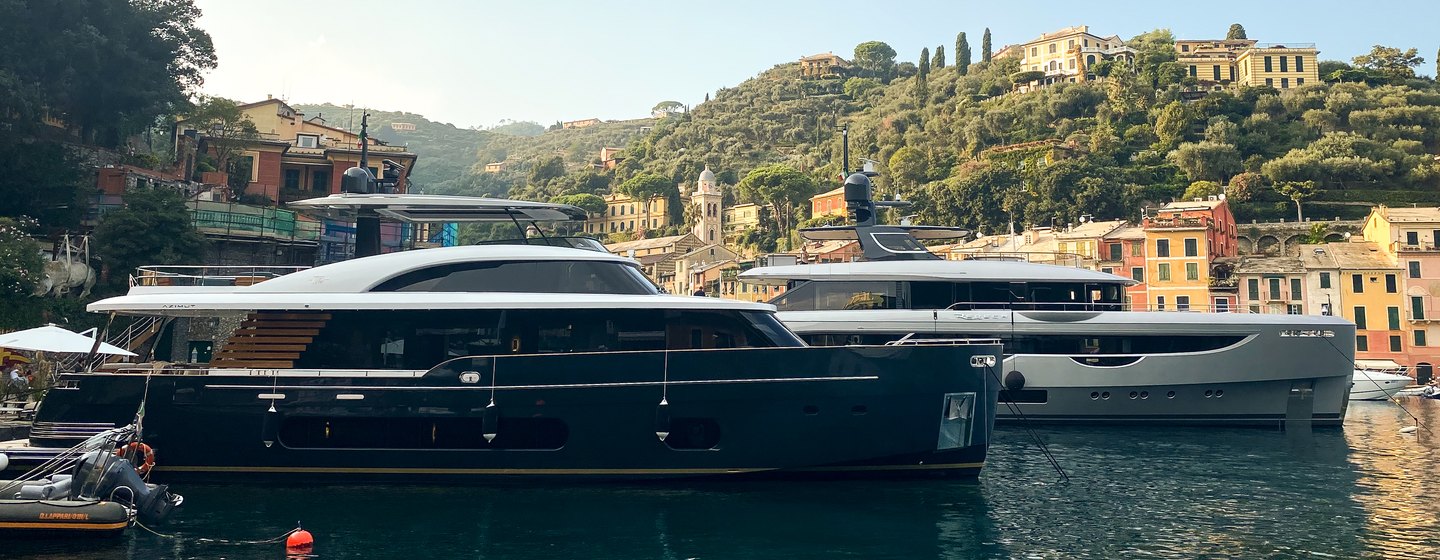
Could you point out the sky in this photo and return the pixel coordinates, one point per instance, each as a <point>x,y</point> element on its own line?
<point>478,63</point>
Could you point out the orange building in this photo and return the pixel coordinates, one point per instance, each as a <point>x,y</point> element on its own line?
<point>831,202</point>
<point>1183,240</point>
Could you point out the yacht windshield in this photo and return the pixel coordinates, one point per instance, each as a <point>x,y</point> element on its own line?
<point>550,277</point>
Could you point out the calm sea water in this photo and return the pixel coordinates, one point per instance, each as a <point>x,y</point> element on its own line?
<point>1133,493</point>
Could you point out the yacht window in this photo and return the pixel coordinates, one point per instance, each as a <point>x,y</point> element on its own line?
<point>421,339</point>
<point>855,295</point>
<point>898,242</point>
<point>551,277</point>
<point>797,298</point>
<point>931,295</point>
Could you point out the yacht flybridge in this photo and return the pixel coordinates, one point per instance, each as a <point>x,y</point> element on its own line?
<point>1073,354</point>
<point>513,360</point>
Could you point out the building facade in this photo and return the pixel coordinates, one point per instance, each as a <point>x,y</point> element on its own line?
<point>828,203</point>
<point>291,157</point>
<point>1129,240</point>
<point>827,65</point>
<point>1183,241</point>
<point>1066,55</point>
<point>1410,240</point>
<point>625,214</point>
<point>1279,66</point>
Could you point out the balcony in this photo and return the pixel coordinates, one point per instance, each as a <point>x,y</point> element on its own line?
<point>1198,222</point>
<point>1402,247</point>
<point>1284,45</point>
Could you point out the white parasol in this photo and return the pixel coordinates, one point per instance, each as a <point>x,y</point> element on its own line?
<point>51,338</point>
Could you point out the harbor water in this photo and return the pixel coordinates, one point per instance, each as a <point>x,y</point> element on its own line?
<point>1368,491</point>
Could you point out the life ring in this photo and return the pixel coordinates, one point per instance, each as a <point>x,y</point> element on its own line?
<point>132,449</point>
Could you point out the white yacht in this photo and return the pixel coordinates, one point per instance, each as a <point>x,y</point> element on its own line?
<point>1378,383</point>
<point>1072,353</point>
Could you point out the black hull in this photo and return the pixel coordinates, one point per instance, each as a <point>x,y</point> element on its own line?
<point>784,412</point>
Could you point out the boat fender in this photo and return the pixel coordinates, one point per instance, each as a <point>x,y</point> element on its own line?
<point>135,448</point>
<point>269,426</point>
<point>1409,430</point>
<point>490,422</point>
<point>1014,381</point>
<point>662,420</point>
<point>4,461</point>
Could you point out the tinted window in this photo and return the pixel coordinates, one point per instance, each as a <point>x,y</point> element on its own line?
<point>533,276</point>
<point>856,295</point>
<point>419,340</point>
<point>898,242</point>
<point>797,298</point>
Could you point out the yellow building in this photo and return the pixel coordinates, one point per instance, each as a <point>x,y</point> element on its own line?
<point>1084,241</point>
<point>290,155</point>
<point>1278,65</point>
<point>1410,240</point>
<point>1370,295</point>
<point>826,65</point>
<point>1211,61</point>
<point>1066,55</point>
<point>741,217</point>
<point>625,214</point>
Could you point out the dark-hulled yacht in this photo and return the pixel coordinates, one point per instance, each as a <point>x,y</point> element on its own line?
<point>515,360</point>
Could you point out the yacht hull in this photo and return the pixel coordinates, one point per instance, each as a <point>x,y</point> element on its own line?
<point>1275,371</point>
<point>1377,386</point>
<point>788,412</point>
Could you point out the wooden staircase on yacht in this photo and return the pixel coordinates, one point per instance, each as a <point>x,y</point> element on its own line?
<point>269,340</point>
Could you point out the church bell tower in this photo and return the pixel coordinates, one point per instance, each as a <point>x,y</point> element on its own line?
<point>706,198</point>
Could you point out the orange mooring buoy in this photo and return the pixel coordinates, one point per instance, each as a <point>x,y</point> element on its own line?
<point>299,541</point>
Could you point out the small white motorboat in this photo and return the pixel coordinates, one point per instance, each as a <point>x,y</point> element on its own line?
<point>1373,385</point>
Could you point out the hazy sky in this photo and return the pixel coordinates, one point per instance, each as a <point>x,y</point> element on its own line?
<point>474,63</point>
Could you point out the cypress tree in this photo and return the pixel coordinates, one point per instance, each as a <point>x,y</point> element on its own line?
<point>1437,64</point>
<point>939,61</point>
<point>985,52</point>
<point>922,89</point>
<point>1236,31</point>
<point>962,54</point>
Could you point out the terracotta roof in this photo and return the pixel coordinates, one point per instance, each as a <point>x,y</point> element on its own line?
<point>1410,214</point>
<point>1180,205</point>
<point>1127,232</point>
<point>1270,265</point>
<point>831,192</point>
<point>1361,255</point>
<point>1090,230</point>
<point>652,243</point>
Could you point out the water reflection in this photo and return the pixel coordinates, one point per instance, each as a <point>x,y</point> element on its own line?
<point>1134,493</point>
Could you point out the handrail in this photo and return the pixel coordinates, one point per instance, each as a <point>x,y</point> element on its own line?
<point>207,275</point>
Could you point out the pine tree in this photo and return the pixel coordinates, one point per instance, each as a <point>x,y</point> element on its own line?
<point>939,61</point>
<point>962,54</point>
<point>1236,31</point>
<point>985,52</point>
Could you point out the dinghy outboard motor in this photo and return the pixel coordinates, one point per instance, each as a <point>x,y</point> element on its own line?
<point>101,475</point>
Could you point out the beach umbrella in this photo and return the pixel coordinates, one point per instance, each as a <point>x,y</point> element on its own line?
<point>51,338</point>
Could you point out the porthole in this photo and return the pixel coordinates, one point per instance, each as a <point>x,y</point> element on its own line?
<point>1105,395</point>
<point>1144,394</point>
<point>811,410</point>
<point>1134,395</point>
<point>1094,396</point>
<point>1219,393</point>
<point>1209,393</point>
<point>1170,394</point>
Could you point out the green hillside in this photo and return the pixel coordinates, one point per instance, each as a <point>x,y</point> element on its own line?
<point>1138,135</point>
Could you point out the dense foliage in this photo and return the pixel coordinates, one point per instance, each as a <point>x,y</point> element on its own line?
<point>153,228</point>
